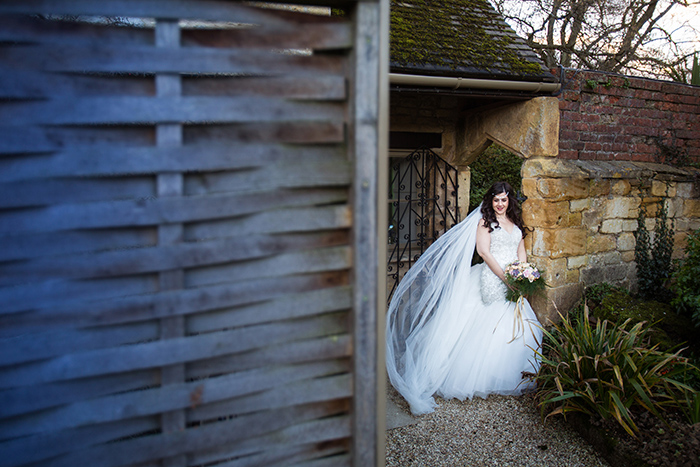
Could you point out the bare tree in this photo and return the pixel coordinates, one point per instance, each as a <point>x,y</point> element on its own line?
<point>621,36</point>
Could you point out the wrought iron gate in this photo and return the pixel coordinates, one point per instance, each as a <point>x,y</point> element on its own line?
<point>422,206</point>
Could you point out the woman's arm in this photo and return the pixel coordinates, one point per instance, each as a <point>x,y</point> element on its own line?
<point>483,247</point>
<point>522,255</point>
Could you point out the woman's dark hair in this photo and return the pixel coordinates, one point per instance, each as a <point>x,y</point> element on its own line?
<point>513,212</point>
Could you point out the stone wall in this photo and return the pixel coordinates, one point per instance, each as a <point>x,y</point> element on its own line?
<point>583,215</point>
<point>613,117</point>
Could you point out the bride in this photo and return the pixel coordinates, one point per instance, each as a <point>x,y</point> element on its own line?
<point>450,331</point>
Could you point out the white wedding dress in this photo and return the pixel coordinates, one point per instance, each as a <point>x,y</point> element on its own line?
<point>450,331</point>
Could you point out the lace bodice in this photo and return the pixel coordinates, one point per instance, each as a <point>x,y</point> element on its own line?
<point>504,248</point>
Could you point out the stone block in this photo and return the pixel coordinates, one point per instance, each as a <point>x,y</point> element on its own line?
<point>576,262</point>
<point>600,243</point>
<point>629,225</point>
<point>592,275</point>
<point>620,188</point>
<point>684,190</point>
<point>559,243</point>
<point>611,226</point>
<point>578,205</point>
<point>572,276</point>
<point>529,186</point>
<point>621,208</point>
<point>544,213</point>
<point>620,272</point>
<point>659,188</point>
<point>693,224</point>
<point>553,270</point>
<point>681,224</point>
<point>556,302</point>
<point>691,208</point>
<point>563,188</point>
<point>627,256</point>
<point>553,168</point>
<point>529,128</point>
<point>599,188</point>
<point>626,241</point>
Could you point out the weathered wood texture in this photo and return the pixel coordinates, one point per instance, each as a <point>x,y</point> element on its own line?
<point>184,255</point>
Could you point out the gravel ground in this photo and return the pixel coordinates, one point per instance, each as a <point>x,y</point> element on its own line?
<point>498,431</point>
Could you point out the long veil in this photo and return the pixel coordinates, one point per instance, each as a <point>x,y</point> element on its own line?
<point>426,300</point>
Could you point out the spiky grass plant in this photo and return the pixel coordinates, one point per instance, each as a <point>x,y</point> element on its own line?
<point>606,370</point>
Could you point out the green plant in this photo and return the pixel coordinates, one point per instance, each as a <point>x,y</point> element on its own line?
<point>653,256</point>
<point>495,164</point>
<point>607,370</point>
<point>687,279</point>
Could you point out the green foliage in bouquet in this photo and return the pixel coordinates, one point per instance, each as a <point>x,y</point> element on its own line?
<point>607,370</point>
<point>687,279</point>
<point>523,279</point>
<point>653,255</point>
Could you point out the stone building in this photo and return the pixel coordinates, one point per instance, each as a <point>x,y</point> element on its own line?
<point>595,146</point>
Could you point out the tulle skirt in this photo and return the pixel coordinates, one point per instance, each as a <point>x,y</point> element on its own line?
<point>469,349</point>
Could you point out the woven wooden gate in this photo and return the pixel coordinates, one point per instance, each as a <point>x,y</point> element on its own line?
<point>186,190</point>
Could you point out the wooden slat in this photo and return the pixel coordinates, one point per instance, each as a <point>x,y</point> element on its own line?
<point>322,259</point>
<point>304,433</point>
<point>212,435</point>
<point>34,85</point>
<point>164,9</point>
<point>143,110</point>
<point>15,140</point>
<point>32,193</point>
<point>39,448</point>
<point>320,87</point>
<point>367,122</point>
<point>35,140</point>
<point>143,212</point>
<point>124,309</point>
<point>32,30</point>
<point>39,345</point>
<point>141,59</point>
<point>282,395</point>
<point>20,298</point>
<point>66,242</point>
<point>287,132</point>
<point>336,346</point>
<point>310,32</point>
<point>288,307</point>
<point>281,221</point>
<point>169,352</point>
<point>163,258</point>
<point>330,34</point>
<point>30,399</point>
<point>286,455</point>
<point>106,160</point>
<point>24,297</point>
<point>203,393</point>
<point>302,174</point>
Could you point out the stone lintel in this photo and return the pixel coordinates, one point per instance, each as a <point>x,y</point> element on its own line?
<point>529,128</point>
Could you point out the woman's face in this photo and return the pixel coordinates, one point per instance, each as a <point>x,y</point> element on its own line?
<point>500,203</point>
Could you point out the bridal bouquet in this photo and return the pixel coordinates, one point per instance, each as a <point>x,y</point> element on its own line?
<point>523,279</point>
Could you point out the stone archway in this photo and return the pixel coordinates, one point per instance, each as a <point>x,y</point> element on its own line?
<point>529,129</point>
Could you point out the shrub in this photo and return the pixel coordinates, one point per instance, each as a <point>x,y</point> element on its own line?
<point>607,370</point>
<point>653,256</point>
<point>495,164</point>
<point>687,279</point>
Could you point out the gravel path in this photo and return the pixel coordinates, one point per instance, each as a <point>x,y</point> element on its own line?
<point>498,431</point>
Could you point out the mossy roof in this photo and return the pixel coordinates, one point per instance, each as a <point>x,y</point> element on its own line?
<point>460,38</point>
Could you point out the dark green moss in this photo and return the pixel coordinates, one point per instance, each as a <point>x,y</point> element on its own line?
<point>454,34</point>
<point>669,329</point>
